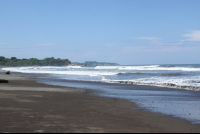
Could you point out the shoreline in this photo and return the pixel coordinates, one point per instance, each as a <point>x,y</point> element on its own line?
<point>47,111</point>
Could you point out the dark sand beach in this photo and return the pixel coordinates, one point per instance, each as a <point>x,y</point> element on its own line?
<point>65,109</point>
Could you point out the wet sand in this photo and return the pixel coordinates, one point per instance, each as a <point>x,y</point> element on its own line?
<point>67,109</point>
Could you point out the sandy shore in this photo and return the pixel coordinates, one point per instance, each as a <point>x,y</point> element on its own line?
<point>28,106</point>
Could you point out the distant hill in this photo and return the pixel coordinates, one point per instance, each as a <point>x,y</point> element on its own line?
<point>94,63</point>
<point>49,61</point>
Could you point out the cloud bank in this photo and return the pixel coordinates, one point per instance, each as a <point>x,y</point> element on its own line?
<point>193,36</point>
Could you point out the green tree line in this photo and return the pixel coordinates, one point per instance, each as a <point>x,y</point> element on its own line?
<point>13,61</point>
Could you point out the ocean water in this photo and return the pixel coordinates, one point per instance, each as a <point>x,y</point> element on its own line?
<point>168,89</point>
<point>174,76</point>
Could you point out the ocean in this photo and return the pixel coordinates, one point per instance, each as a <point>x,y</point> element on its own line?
<point>168,89</point>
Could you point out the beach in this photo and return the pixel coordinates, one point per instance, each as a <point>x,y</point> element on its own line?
<point>29,106</point>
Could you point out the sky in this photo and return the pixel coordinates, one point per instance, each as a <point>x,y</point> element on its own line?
<point>127,32</point>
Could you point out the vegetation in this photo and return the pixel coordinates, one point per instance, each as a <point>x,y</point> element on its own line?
<point>13,61</point>
<point>94,63</point>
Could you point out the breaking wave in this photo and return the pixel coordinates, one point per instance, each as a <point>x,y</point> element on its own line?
<point>187,83</point>
<point>135,73</point>
<point>174,76</point>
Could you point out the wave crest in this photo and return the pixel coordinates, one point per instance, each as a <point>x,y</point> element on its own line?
<point>170,85</point>
<point>134,73</point>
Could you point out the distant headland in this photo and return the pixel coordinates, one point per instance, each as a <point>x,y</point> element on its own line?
<point>94,63</point>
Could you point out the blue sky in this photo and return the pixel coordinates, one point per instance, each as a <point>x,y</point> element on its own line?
<point>120,31</point>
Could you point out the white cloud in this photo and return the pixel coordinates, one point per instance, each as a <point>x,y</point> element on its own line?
<point>194,35</point>
<point>147,38</point>
<point>154,40</point>
<point>179,43</point>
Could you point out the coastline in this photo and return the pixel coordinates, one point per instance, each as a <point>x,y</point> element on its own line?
<point>75,110</point>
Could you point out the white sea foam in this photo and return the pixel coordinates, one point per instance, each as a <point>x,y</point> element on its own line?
<point>107,67</point>
<point>176,76</point>
<point>158,68</point>
<point>152,67</point>
<point>188,83</point>
<point>53,70</point>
